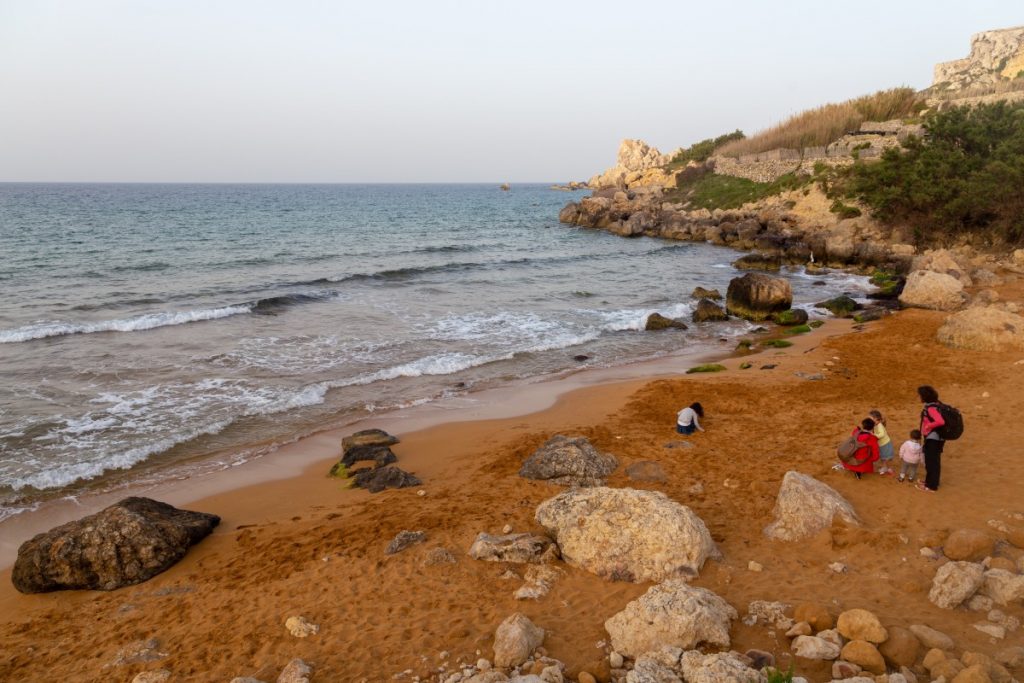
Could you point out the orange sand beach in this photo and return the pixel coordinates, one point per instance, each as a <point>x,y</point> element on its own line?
<point>305,545</point>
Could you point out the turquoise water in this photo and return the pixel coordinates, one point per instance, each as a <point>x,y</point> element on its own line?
<point>147,326</point>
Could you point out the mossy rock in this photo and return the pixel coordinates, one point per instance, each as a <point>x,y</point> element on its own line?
<point>339,470</point>
<point>746,366</point>
<point>799,329</point>
<point>701,293</point>
<point>870,314</point>
<point>841,306</point>
<point>777,343</point>
<point>656,321</point>
<point>792,316</point>
<point>815,324</point>
<point>744,345</point>
<point>707,367</point>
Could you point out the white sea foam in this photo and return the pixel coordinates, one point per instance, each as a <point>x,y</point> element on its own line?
<point>636,318</point>
<point>138,323</point>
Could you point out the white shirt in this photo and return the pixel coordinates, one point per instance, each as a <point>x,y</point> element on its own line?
<point>687,416</point>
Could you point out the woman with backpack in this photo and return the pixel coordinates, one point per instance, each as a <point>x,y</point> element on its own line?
<point>931,422</point>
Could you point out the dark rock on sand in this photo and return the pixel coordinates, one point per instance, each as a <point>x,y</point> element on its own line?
<point>708,311</point>
<point>124,544</point>
<point>380,478</point>
<point>569,462</point>
<point>580,357</point>
<point>755,296</point>
<point>656,321</point>
<point>371,445</point>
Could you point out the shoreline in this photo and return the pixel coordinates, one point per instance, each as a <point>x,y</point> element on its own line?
<point>302,545</point>
<point>292,458</point>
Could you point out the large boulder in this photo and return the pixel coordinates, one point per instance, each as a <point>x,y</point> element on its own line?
<point>983,328</point>
<point>756,296</point>
<point>626,534</point>
<point>937,291</point>
<point>954,582</point>
<point>671,613</point>
<point>805,506</point>
<point>945,262</point>
<point>569,462</point>
<point>124,544</point>
<point>860,624</point>
<point>708,311</point>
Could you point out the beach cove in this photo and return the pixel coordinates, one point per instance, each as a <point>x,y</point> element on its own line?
<point>303,546</point>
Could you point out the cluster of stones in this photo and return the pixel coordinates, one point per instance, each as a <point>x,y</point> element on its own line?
<point>374,446</point>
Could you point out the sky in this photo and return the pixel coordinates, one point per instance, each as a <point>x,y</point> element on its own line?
<point>439,91</point>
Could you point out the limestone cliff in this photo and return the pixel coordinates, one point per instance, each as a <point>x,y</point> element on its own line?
<point>637,165</point>
<point>995,56</point>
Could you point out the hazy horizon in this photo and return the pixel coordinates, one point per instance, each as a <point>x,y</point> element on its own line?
<point>232,92</point>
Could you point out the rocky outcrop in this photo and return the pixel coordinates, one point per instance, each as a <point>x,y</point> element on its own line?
<point>672,613</point>
<point>627,534</point>
<point>805,506</point>
<point>983,328</point>
<point>637,164</point>
<point>995,56</point>
<point>569,462</point>
<point>937,291</point>
<point>756,296</point>
<point>124,544</point>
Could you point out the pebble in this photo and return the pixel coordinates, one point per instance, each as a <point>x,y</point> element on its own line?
<point>697,489</point>
<point>421,492</point>
<point>156,676</point>
<point>507,529</point>
<point>838,567</point>
<point>443,654</point>
<point>985,395</point>
<point>615,660</point>
<point>928,553</point>
<point>586,677</point>
<point>993,630</point>
<point>754,566</point>
<point>483,664</point>
<point>300,628</point>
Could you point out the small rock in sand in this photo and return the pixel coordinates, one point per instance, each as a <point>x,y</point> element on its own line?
<point>812,647</point>
<point>932,639</point>
<point>955,582</point>
<point>300,627</point>
<point>515,640</point>
<point>755,566</point>
<point>507,529</point>
<point>296,671</point>
<point>403,540</point>
<point>838,567</point>
<point>616,661</point>
<point>994,630</point>
<point>245,679</point>
<point>139,652</point>
<point>156,676</point>
<point>801,628</point>
<point>438,555</point>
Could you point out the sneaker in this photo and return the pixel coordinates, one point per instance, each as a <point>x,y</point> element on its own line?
<point>901,479</point>
<point>838,466</point>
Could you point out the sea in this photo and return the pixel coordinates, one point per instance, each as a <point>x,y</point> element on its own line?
<point>150,329</point>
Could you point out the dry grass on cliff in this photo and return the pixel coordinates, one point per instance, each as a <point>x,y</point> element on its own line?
<point>979,90</point>
<point>828,123</point>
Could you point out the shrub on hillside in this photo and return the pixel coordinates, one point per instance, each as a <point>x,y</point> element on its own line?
<point>826,124</point>
<point>701,151</point>
<point>967,175</point>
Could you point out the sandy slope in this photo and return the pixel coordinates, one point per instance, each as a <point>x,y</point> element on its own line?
<point>305,546</point>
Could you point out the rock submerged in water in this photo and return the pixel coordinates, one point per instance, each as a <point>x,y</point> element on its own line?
<point>756,296</point>
<point>709,311</point>
<point>701,293</point>
<point>841,306</point>
<point>656,321</point>
<point>792,316</point>
<point>124,544</point>
<point>569,462</point>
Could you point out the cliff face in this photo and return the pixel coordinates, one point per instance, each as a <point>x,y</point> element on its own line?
<point>995,56</point>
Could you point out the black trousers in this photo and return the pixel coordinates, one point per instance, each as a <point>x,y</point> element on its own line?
<point>933,462</point>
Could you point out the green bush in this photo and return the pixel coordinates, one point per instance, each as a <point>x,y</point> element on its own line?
<point>775,675</point>
<point>701,151</point>
<point>708,367</point>
<point>967,175</point>
<point>711,191</point>
<point>844,210</point>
